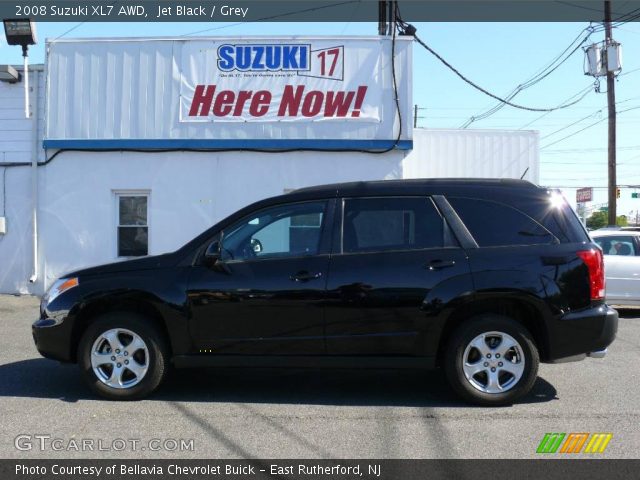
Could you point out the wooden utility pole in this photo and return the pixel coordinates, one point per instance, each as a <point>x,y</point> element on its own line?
<point>415,116</point>
<point>382,18</point>
<point>611,102</point>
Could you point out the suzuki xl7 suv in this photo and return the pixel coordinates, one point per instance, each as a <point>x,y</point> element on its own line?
<point>483,278</point>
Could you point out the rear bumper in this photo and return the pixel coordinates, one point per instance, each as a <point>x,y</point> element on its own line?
<point>588,332</point>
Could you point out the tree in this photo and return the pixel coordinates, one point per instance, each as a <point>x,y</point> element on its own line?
<point>599,219</point>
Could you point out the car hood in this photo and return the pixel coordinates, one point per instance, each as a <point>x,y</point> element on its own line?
<point>145,263</point>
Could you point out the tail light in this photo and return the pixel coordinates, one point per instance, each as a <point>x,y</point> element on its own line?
<point>595,263</point>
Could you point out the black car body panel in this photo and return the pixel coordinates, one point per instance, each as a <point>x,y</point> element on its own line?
<point>393,307</point>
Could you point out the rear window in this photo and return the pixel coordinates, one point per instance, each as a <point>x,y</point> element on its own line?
<point>560,219</point>
<point>495,224</point>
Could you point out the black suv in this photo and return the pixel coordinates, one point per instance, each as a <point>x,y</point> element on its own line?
<point>484,278</point>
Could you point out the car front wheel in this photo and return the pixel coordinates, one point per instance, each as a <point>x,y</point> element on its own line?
<point>123,356</point>
<point>491,360</point>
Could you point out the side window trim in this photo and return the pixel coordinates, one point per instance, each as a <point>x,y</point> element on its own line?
<point>338,235</point>
<point>458,227</point>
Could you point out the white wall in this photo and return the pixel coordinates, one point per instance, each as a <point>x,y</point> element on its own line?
<point>16,144</point>
<point>473,153</point>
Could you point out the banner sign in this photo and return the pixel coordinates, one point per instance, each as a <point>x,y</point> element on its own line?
<point>280,80</point>
<point>584,195</point>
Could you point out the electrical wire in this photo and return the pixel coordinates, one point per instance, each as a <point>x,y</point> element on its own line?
<point>600,110</point>
<point>486,92</point>
<point>587,127</point>
<point>558,61</point>
<point>69,31</point>
<point>581,93</point>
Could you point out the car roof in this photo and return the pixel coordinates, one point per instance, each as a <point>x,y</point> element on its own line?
<point>609,232</point>
<point>413,186</point>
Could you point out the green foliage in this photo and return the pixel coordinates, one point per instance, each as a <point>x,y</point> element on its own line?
<point>597,220</point>
<point>600,219</point>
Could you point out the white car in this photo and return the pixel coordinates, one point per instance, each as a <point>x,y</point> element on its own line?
<point>621,265</point>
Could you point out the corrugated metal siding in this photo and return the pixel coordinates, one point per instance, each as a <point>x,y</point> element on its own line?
<point>15,129</point>
<point>130,89</point>
<point>16,146</point>
<point>474,153</point>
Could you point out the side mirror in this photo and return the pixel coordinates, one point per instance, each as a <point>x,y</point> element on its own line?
<point>212,255</point>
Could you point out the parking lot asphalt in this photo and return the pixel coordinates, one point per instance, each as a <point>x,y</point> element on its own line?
<point>306,414</point>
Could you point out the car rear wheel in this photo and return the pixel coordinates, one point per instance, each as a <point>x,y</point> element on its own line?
<point>123,356</point>
<point>491,360</point>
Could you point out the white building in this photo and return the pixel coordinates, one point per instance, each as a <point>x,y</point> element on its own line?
<point>125,129</point>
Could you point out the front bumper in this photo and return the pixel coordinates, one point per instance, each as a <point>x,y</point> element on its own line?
<point>588,332</point>
<point>598,354</point>
<point>52,339</point>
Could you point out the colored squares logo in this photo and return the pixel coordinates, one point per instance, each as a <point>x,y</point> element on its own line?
<point>574,442</point>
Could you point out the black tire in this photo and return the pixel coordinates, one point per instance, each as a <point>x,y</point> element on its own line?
<point>468,331</point>
<point>158,355</point>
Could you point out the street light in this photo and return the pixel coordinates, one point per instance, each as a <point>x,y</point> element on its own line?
<point>22,32</point>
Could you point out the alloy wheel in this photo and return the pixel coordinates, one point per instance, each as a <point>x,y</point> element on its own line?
<point>493,362</point>
<point>120,358</point>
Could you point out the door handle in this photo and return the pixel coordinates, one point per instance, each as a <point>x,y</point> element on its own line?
<point>440,264</point>
<point>305,276</point>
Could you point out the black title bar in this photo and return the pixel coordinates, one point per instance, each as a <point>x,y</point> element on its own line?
<point>287,469</point>
<point>314,10</point>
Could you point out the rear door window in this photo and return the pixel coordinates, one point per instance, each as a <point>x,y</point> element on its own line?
<point>495,224</point>
<point>391,223</point>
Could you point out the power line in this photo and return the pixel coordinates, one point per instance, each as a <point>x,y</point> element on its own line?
<point>69,31</point>
<point>586,117</point>
<point>582,94</point>
<point>587,150</point>
<point>587,127</point>
<point>539,76</point>
<point>486,92</point>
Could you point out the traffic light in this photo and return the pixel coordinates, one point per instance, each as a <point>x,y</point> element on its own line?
<point>635,195</point>
<point>617,193</point>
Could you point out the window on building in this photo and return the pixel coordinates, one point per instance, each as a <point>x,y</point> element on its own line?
<point>133,224</point>
<point>379,224</point>
<point>495,224</point>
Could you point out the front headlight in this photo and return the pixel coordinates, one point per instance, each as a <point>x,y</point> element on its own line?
<point>60,286</point>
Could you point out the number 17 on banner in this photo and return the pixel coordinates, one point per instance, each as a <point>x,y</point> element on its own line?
<point>326,63</point>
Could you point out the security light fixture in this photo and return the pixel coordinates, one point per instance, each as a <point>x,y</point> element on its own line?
<point>20,32</point>
<point>9,74</point>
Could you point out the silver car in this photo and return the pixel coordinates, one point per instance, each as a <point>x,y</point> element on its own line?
<point>621,265</point>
